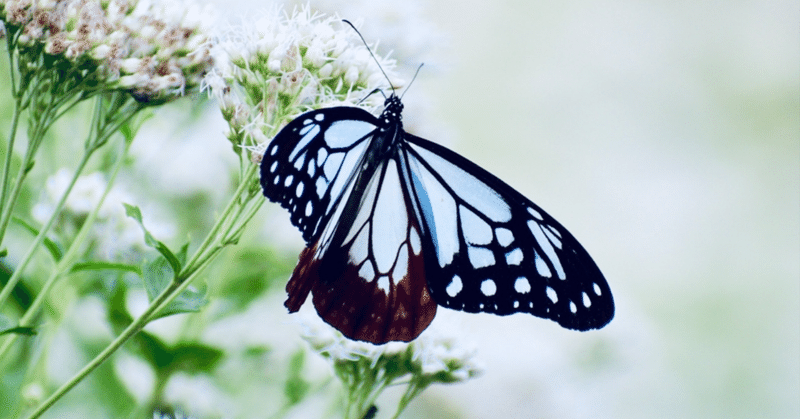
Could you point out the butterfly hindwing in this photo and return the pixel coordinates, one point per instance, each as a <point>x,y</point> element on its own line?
<point>367,274</point>
<point>498,252</point>
<point>308,165</point>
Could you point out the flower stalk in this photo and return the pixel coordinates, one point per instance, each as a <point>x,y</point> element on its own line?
<point>110,115</point>
<point>226,231</point>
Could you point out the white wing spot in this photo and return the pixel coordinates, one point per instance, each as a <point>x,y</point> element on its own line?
<point>586,301</point>
<point>332,164</point>
<point>383,284</point>
<point>514,257</point>
<point>359,249</point>
<point>488,287</point>
<point>344,133</point>
<point>535,214</point>
<point>538,234</point>
<point>522,286</point>
<point>413,239</point>
<point>390,220</point>
<point>312,168</point>
<point>541,266</point>
<point>319,116</point>
<point>309,208</point>
<point>476,231</point>
<point>516,304</point>
<point>288,181</point>
<point>306,121</point>
<point>274,150</point>
<point>455,286</point>
<point>597,289</point>
<point>299,191</point>
<point>554,231</point>
<point>572,307</point>
<point>504,236</point>
<point>309,132</point>
<point>322,154</point>
<point>551,294</point>
<point>321,185</point>
<point>300,162</point>
<point>480,257</point>
<point>367,272</point>
<point>553,239</point>
<point>273,167</point>
<point>441,213</point>
<point>401,264</point>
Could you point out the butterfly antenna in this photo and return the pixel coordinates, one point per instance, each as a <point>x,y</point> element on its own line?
<point>370,52</point>
<point>412,80</point>
<point>375,90</point>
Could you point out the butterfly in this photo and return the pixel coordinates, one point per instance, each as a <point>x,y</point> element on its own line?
<point>396,225</point>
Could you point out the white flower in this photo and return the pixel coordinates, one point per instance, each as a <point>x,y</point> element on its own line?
<point>440,354</point>
<point>170,34</point>
<point>291,63</point>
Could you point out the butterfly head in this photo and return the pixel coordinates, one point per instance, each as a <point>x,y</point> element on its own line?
<point>392,112</point>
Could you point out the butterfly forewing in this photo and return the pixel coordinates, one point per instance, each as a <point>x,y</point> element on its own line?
<point>309,164</point>
<point>495,250</point>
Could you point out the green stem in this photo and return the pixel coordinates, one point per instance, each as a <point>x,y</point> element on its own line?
<point>103,129</point>
<point>17,275</point>
<point>212,239</point>
<point>413,390</point>
<point>212,245</point>
<point>12,136</point>
<point>27,164</point>
<point>131,330</point>
<point>67,261</point>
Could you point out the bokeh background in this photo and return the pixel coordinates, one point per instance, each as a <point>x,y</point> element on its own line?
<point>664,135</point>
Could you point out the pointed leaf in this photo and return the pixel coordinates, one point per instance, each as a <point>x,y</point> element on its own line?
<point>157,275</point>
<point>52,247</point>
<point>101,265</point>
<point>7,326</point>
<point>135,213</point>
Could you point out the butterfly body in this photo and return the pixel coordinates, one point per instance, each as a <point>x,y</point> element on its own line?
<point>397,225</point>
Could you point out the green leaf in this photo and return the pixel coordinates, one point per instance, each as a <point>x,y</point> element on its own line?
<point>190,357</point>
<point>118,314</point>
<point>19,330</point>
<point>52,247</point>
<point>154,351</point>
<point>195,358</point>
<point>100,265</point>
<point>135,213</point>
<point>157,276</point>
<point>7,326</point>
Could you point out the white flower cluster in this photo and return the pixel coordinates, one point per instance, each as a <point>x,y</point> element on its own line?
<point>153,49</point>
<point>445,357</point>
<point>431,355</point>
<point>285,64</point>
<point>115,236</point>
